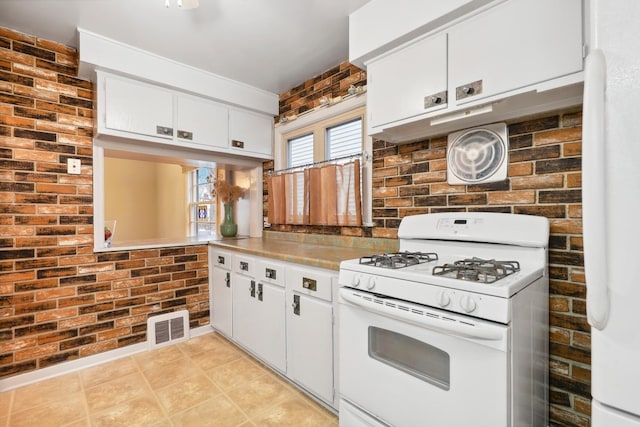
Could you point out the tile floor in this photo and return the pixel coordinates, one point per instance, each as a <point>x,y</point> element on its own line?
<point>206,381</point>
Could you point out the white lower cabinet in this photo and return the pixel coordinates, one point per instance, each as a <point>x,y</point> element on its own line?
<point>310,344</point>
<point>220,291</point>
<point>282,313</point>
<point>258,314</point>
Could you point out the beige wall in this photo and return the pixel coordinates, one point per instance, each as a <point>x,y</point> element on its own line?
<point>147,199</point>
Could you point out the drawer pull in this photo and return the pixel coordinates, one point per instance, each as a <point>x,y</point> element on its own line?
<point>183,134</point>
<point>270,273</point>
<point>220,260</point>
<point>237,144</point>
<point>163,130</point>
<point>244,266</point>
<point>310,284</point>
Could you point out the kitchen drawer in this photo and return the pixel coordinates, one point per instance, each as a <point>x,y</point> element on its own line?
<point>310,282</point>
<point>244,264</point>
<point>271,272</point>
<point>220,258</point>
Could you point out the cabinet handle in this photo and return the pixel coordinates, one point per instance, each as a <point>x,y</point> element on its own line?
<point>260,292</point>
<point>436,99</point>
<point>244,266</point>
<point>163,130</point>
<point>237,144</point>
<point>183,134</point>
<point>296,305</point>
<point>252,289</point>
<point>220,260</point>
<point>310,284</point>
<point>227,280</point>
<point>270,273</point>
<point>469,89</point>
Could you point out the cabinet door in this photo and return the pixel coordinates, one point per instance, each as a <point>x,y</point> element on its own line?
<point>513,45</point>
<point>138,108</point>
<point>407,83</point>
<point>203,122</point>
<point>259,319</point>
<point>310,344</point>
<point>221,301</point>
<point>251,133</point>
<point>244,315</point>
<point>270,330</point>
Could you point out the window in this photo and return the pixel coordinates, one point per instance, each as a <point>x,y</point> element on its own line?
<point>334,132</point>
<point>300,150</point>
<point>328,139</point>
<point>344,139</point>
<point>202,202</point>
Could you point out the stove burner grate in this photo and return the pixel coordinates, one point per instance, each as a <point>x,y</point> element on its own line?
<point>398,259</point>
<point>477,269</point>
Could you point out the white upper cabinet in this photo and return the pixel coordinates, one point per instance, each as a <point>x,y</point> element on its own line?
<point>201,122</point>
<point>137,108</point>
<point>517,44</point>
<point>250,133</point>
<point>505,60</point>
<point>408,83</point>
<point>132,109</point>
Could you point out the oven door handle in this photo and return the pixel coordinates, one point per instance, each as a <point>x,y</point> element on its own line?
<point>401,311</point>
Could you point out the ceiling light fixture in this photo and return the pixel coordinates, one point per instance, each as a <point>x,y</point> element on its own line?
<point>183,4</point>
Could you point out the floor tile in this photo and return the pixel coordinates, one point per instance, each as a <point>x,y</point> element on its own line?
<point>57,411</point>
<point>108,371</point>
<point>292,412</point>
<point>133,413</point>
<point>207,381</point>
<point>218,411</point>
<point>259,394</point>
<point>116,391</point>
<point>45,392</point>
<point>186,393</point>
<point>221,354</point>
<point>236,373</point>
<point>160,376</point>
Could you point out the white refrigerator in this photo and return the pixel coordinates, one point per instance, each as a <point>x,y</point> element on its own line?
<point>611,209</point>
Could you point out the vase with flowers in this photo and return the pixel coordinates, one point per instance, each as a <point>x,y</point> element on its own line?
<point>228,194</point>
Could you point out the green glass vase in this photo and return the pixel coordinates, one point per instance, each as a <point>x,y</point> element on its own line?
<point>228,228</point>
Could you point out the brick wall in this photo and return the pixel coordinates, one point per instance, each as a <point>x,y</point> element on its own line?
<point>331,84</point>
<point>544,179</point>
<point>58,299</point>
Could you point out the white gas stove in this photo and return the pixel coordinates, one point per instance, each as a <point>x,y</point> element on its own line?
<point>469,263</point>
<point>457,318</point>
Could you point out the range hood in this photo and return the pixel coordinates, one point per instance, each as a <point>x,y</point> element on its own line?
<point>516,106</point>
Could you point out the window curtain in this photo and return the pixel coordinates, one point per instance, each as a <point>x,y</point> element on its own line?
<point>320,195</point>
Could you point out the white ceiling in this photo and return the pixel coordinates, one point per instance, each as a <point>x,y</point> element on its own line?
<point>271,44</point>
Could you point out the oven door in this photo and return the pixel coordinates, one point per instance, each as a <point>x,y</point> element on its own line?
<point>410,365</point>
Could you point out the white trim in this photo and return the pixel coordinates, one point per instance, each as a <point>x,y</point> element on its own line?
<point>85,362</point>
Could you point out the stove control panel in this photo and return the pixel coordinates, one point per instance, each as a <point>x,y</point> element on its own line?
<point>455,300</point>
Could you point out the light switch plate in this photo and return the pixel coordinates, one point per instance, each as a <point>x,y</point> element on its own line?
<point>73,166</point>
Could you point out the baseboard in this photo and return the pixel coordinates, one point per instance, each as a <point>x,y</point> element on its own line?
<point>85,362</point>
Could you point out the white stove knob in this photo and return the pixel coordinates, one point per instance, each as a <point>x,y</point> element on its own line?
<point>468,304</point>
<point>443,299</point>
<point>371,283</point>
<point>355,280</point>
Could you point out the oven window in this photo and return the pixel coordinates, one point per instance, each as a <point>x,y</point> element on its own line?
<point>409,355</point>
